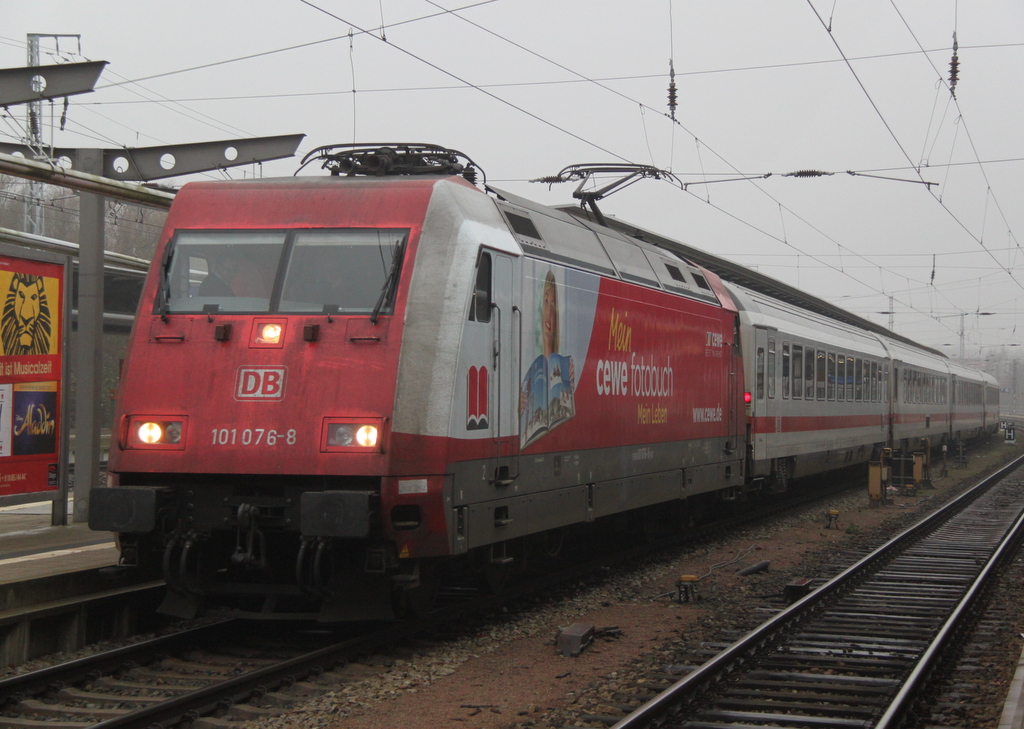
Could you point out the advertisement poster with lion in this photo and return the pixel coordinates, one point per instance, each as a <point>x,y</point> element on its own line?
<point>31,334</point>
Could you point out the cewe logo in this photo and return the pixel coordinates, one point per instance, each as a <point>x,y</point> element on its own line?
<point>260,383</point>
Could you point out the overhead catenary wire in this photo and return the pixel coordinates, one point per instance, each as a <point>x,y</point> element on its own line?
<point>532,115</point>
<point>452,12</point>
<point>706,175</point>
<point>967,132</point>
<point>892,133</point>
<point>458,78</point>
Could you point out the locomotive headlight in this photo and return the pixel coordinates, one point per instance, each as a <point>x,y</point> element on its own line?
<point>366,436</point>
<point>150,433</point>
<point>172,432</point>
<point>155,432</point>
<point>342,435</point>
<point>270,334</point>
<point>350,434</point>
<point>267,333</point>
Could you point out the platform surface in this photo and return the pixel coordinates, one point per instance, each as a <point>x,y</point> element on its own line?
<point>31,548</point>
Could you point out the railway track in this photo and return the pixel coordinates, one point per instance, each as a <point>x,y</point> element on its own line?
<point>218,670</point>
<point>859,650</point>
<point>212,672</point>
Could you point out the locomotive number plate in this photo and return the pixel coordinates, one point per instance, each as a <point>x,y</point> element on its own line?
<point>253,437</point>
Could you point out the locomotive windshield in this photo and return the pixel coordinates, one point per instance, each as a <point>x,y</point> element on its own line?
<point>341,271</point>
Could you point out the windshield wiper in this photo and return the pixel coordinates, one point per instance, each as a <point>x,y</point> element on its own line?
<point>390,282</point>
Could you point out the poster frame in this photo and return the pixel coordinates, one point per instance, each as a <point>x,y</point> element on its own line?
<point>58,498</point>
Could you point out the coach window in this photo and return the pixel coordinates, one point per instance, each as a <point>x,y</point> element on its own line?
<point>874,381</point>
<point>849,378</point>
<point>820,356</point>
<point>760,373</point>
<point>831,377</point>
<point>858,379</point>
<point>841,376</point>
<point>808,373</point>
<point>480,306</point>
<point>771,367</point>
<point>785,370</point>
<point>798,372</point>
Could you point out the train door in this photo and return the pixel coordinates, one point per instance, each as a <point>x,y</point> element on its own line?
<point>954,409</point>
<point>505,322</point>
<point>735,395</point>
<point>767,419</point>
<point>894,401</point>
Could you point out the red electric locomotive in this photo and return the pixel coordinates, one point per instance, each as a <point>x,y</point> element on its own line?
<point>336,384</point>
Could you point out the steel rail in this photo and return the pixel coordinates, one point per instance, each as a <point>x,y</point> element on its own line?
<point>904,699</point>
<point>205,700</point>
<point>40,681</point>
<point>252,684</point>
<point>244,687</point>
<point>722,664</point>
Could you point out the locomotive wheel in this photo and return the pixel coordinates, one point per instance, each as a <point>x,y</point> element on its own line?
<point>552,542</point>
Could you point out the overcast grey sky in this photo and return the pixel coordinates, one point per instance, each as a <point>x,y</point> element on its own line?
<point>526,87</point>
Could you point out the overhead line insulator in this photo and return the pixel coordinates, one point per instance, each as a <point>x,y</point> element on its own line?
<point>954,68</point>
<point>672,99</point>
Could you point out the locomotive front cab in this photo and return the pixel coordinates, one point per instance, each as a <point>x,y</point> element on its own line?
<point>256,404</point>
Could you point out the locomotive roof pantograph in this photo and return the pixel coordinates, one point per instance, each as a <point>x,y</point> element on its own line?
<point>585,173</point>
<point>379,160</point>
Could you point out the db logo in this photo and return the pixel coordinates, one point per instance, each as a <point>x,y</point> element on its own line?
<point>260,383</point>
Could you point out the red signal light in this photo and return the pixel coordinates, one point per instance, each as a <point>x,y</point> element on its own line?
<point>746,398</point>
